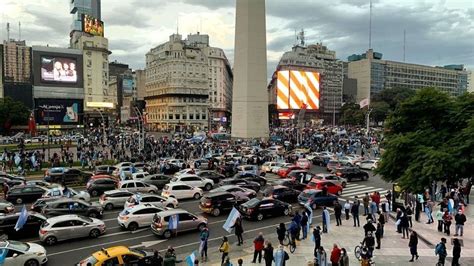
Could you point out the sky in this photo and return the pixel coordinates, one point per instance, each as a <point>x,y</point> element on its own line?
<point>438,32</point>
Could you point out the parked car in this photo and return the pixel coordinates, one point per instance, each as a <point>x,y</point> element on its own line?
<point>23,253</point>
<point>70,226</point>
<point>42,183</point>
<point>119,255</point>
<point>303,163</point>
<point>213,175</point>
<point>153,199</point>
<point>315,198</point>
<point>180,190</point>
<point>284,171</point>
<point>331,187</point>
<point>351,173</point>
<point>187,222</point>
<point>104,170</point>
<point>290,183</point>
<point>237,191</point>
<point>38,205</point>
<point>334,178</point>
<point>195,181</point>
<point>66,176</point>
<point>24,193</point>
<point>261,208</point>
<point>138,216</point>
<point>284,194</point>
<point>114,199</point>
<point>249,168</point>
<point>368,164</point>
<point>241,183</point>
<point>348,160</point>
<point>137,186</point>
<point>72,206</point>
<point>333,164</point>
<point>31,227</point>
<point>98,186</point>
<point>216,203</point>
<point>278,166</point>
<point>12,177</point>
<point>69,193</point>
<point>139,175</point>
<point>201,164</point>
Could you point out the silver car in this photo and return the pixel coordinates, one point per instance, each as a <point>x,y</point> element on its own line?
<point>186,222</point>
<point>137,186</point>
<point>153,199</point>
<point>66,227</point>
<point>114,199</point>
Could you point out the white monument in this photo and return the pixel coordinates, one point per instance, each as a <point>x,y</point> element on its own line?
<point>249,99</point>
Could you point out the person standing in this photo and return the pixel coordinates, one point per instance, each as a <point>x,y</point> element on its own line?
<point>304,224</point>
<point>366,200</point>
<point>281,232</point>
<point>447,220</point>
<point>456,252</point>
<point>460,219</point>
<point>297,220</point>
<point>381,221</point>
<point>338,213</point>
<point>355,212</point>
<point>5,189</point>
<point>281,256</point>
<point>204,236</point>
<point>440,250</point>
<point>335,255</point>
<point>268,254</point>
<point>322,257</point>
<point>238,230</point>
<point>258,243</point>
<point>439,218</point>
<point>224,249</point>
<point>326,220</point>
<point>404,225</point>
<point>413,244</point>
<point>316,239</point>
<point>347,209</point>
<point>378,235</point>
<point>409,213</point>
<point>344,260</point>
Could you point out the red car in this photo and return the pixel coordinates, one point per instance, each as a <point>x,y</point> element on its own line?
<point>284,171</point>
<point>303,163</point>
<point>331,187</point>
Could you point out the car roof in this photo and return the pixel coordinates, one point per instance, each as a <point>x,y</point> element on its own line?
<point>279,187</point>
<point>172,212</point>
<point>144,206</point>
<point>116,191</point>
<point>65,217</point>
<point>216,194</point>
<point>312,191</point>
<point>172,184</point>
<point>60,200</point>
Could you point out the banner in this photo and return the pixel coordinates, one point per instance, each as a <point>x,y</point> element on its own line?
<point>233,215</point>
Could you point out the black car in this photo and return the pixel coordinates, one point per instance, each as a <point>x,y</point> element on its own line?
<point>38,205</point>
<point>104,170</point>
<point>252,177</point>
<point>216,203</point>
<point>292,184</point>
<point>241,183</point>
<point>10,182</point>
<point>72,206</point>
<point>214,176</point>
<point>31,227</point>
<point>25,193</point>
<point>68,176</point>
<point>98,186</point>
<point>351,173</point>
<point>170,169</point>
<point>260,208</point>
<point>285,194</point>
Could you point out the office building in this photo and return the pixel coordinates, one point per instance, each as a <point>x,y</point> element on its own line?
<point>78,8</point>
<point>374,74</point>
<point>470,81</point>
<point>185,81</point>
<point>140,79</point>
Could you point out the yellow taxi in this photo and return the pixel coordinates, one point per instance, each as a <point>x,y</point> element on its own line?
<point>119,255</point>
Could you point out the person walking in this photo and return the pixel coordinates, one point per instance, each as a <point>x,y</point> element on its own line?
<point>258,243</point>
<point>304,225</point>
<point>413,244</point>
<point>409,213</point>
<point>281,232</point>
<point>439,218</point>
<point>460,219</point>
<point>335,255</point>
<point>281,256</point>
<point>224,249</point>
<point>316,239</point>
<point>381,221</point>
<point>404,225</point>
<point>447,220</point>
<point>378,235</point>
<point>297,220</point>
<point>369,227</point>
<point>268,254</point>
<point>347,209</point>
<point>456,252</point>
<point>338,213</point>
<point>344,260</point>
<point>238,230</point>
<point>440,251</point>
<point>355,212</point>
<point>326,220</point>
<point>203,236</point>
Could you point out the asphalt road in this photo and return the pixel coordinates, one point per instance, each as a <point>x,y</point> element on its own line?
<point>72,251</point>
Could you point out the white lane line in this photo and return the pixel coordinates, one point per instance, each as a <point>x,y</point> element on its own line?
<point>362,193</point>
<point>353,185</point>
<point>358,190</point>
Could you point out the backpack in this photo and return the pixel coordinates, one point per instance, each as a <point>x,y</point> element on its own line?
<point>440,250</point>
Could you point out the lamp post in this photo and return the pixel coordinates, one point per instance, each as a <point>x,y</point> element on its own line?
<point>141,140</point>
<point>368,121</point>
<point>104,140</point>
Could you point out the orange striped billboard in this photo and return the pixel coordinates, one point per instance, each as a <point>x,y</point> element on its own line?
<point>298,89</point>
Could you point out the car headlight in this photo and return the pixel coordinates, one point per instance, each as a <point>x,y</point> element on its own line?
<point>39,253</point>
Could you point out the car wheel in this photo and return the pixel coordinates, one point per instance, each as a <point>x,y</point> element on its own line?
<point>109,206</point>
<point>286,211</point>
<point>259,217</point>
<point>167,234</point>
<point>95,233</point>
<point>208,187</point>
<point>32,263</point>
<point>50,240</point>
<point>94,193</point>
<point>339,192</point>
<point>314,206</point>
<point>93,214</point>
<point>197,196</point>
<point>152,192</point>
<point>19,201</point>
<point>365,178</point>
<point>201,227</point>
<point>133,226</point>
<point>216,212</point>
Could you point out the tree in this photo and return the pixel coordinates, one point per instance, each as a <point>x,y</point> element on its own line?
<point>394,96</point>
<point>429,136</point>
<point>12,113</point>
<point>352,114</point>
<point>380,111</point>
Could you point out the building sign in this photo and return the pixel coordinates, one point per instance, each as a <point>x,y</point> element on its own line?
<point>58,69</point>
<point>100,105</point>
<point>127,86</point>
<point>92,25</point>
<point>59,111</point>
<point>298,90</point>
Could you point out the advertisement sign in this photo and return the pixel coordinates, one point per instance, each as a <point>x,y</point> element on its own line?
<point>92,25</point>
<point>59,111</point>
<point>298,90</point>
<point>127,86</point>
<point>58,69</point>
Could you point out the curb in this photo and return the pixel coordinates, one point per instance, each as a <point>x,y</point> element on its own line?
<point>421,237</point>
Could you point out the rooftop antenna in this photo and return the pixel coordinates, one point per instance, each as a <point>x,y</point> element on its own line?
<point>177,25</point>
<point>370,24</point>
<point>8,31</point>
<point>19,30</point>
<point>300,37</point>
<point>404,43</point>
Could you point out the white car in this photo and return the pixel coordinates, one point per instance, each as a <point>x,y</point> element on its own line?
<point>177,162</point>
<point>187,171</point>
<point>368,164</point>
<point>158,201</point>
<point>179,190</point>
<point>124,164</point>
<point>139,216</point>
<point>23,253</point>
<point>59,192</point>
<point>194,181</point>
<point>267,166</point>
<point>137,186</point>
<point>348,160</point>
<point>280,165</point>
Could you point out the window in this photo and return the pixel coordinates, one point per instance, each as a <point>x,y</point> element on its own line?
<point>139,184</point>
<point>130,259</point>
<point>111,262</point>
<point>185,217</point>
<point>62,224</point>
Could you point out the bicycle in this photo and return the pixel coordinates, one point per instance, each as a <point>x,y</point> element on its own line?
<point>287,241</point>
<point>365,257</point>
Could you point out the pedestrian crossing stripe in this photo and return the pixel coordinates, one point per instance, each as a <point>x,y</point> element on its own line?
<point>358,190</point>
<point>362,193</point>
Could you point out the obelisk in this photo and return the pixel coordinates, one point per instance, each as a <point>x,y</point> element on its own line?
<point>249,97</point>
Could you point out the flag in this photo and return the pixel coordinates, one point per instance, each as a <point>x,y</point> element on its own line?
<point>365,102</point>
<point>3,255</point>
<point>17,159</point>
<point>233,215</point>
<point>22,218</point>
<point>173,222</point>
<point>191,258</point>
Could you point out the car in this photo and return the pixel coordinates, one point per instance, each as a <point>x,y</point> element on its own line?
<point>251,177</point>
<point>13,177</point>
<point>331,187</point>
<point>333,164</point>
<point>241,183</point>
<point>285,194</point>
<point>11,183</point>
<point>348,160</point>
<point>334,178</point>
<point>123,164</point>
<point>138,216</point>
<point>267,166</point>
<point>104,170</point>
<point>201,164</point>
<point>137,186</point>
<point>213,175</point>
<point>25,193</point>
<point>195,181</point>
<point>249,168</point>
<point>42,183</point>
<point>216,203</point>
<point>187,222</point>
<point>158,180</point>
<point>170,169</point>
<point>6,207</point>
<point>141,166</point>
<point>274,169</point>
<point>70,226</point>
<point>38,205</point>
<point>237,191</point>
<point>153,199</point>
<point>290,183</point>
<point>23,253</point>
<point>368,164</point>
<point>303,163</point>
<point>351,173</point>
<point>187,171</point>
<point>302,176</point>
<point>30,228</point>
<point>315,198</point>
<point>98,186</point>
<point>177,162</point>
<point>119,255</point>
<point>69,193</point>
<point>139,175</point>
<point>72,206</point>
<point>261,208</point>
<point>180,190</point>
<point>284,171</point>
<point>114,199</point>
<point>68,176</point>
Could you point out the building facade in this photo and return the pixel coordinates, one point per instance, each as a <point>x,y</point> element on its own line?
<point>314,58</point>
<point>17,62</point>
<point>185,81</point>
<point>374,74</point>
<point>83,7</point>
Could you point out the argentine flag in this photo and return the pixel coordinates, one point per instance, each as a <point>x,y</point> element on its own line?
<point>17,159</point>
<point>3,255</point>
<point>173,222</point>
<point>191,258</point>
<point>233,215</point>
<point>22,218</point>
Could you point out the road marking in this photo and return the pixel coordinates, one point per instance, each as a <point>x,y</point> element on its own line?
<point>140,230</point>
<point>148,244</point>
<point>363,192</point>
<point>358,190</point>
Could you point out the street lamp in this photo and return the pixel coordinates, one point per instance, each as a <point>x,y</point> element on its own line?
<point>103,127</point>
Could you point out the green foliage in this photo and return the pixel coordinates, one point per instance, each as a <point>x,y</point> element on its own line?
<point>352,114</point>
<point>429,136</point>
<point>380,111</point>
<point>12,113</point>
<point>393,97</point>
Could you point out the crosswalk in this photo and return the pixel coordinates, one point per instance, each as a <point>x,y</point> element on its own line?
<point>353,189</point>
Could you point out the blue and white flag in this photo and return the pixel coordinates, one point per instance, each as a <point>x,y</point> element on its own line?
<point>17,159</point>
<point>122,175</point>
<point>173,222</point>
<point>3,255</point>
<point>33,160</point>
<point>327,219</point>
<point>310,212</point>
<point>191,258</point>
<point>22,218</point>
<point>451,206</point>
<point>233,215</point>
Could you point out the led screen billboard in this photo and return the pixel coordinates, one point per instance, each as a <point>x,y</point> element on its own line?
<point>58,69</point>
<point>92,26</point>
<point>297,90</point>
<point>59,111</point>
<point>127,86</point>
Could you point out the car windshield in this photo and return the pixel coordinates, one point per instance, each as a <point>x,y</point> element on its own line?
<point>125,212</point>
<point>18,246</point>
<point>138,252</point>
<point>307,194</point>
<point>253,202</point>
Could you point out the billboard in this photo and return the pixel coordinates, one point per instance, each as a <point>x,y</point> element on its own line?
<point>127,86</point>
<point>92,25</point>
<point>58,69</point>
<point>59,111</point>
<point>297,90</point>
